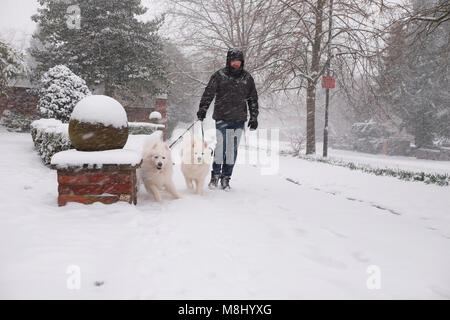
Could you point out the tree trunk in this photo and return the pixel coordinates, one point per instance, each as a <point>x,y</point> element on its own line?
<point>108,90</point>
<point>311,89</point>
<point>310,118</point>
<point>325,129</point>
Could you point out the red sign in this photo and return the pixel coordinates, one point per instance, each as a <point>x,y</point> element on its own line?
<point>327,82</point>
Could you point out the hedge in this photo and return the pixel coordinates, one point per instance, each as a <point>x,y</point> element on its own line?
<point>143,127</point>
<point>17,122</point>
<point>428,178</point>
<point>51,136</point>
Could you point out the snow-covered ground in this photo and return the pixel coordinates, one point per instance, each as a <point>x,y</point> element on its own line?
<point>393,162</point>
<point>311,230</point>
<point>380,160</point>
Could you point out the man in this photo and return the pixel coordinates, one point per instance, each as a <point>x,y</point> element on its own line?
<point>234,89</point>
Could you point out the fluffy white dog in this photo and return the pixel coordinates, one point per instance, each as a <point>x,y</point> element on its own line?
<point>157,168</point>
<point>196,158</point>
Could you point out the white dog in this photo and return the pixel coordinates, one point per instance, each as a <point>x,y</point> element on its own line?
<point>196,158</point>
<point>157,168</point>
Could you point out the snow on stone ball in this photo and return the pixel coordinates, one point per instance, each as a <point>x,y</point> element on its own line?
<point>100,109</point>
<point>98,123</point>
<point>155,115</point>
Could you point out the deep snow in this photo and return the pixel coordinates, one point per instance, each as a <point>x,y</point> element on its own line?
<point>312,236</point>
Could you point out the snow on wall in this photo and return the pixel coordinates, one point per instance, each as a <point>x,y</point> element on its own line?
<point>74,157</point>
<point>146,124</point>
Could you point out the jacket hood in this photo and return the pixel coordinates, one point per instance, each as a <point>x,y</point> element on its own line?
<point>235,54</point>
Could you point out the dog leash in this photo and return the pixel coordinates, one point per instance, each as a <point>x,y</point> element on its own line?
<point>245,138</point>
<point>171,145</point>
<point>203,139</point>
<point>203,133</point>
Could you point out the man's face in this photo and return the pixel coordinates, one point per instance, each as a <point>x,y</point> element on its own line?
<point>235,64</point>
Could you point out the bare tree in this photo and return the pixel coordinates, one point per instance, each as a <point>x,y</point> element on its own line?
<point>357,28</point>
<point>432,14</point>
<point>209,27</point>
<point>286,41</point>
<point>185,84</point>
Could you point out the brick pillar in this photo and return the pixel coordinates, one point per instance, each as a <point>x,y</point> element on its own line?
<point>161,107</point>
<point>108,184</point>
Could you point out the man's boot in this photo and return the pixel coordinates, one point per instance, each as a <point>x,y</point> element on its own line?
<point>214,181</point>
<point>225,183</point>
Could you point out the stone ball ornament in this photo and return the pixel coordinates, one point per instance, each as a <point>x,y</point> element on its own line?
<point>98,123</point>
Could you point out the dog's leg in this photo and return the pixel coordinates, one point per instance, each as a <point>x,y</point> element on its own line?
<point>189,183</point>
<point>154,190</point>
<point>199,185</point>
<point>170,187</point>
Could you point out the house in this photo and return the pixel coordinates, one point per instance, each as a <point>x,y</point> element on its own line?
<point>22,98</point>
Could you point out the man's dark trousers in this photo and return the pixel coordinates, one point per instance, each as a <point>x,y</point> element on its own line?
<point>228,134</point>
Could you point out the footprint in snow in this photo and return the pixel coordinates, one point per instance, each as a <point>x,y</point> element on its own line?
<point>335,233</point>
<point>360,256</point>
<point>440,291</point>
<point>300,232</point>
<point>326,261</point>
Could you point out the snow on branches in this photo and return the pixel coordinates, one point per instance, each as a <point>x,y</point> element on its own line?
<point>60,90</point>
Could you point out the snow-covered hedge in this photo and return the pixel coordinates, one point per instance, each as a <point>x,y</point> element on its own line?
<point>428,178</point>
<point>16,122</point>
<point>50,136</point>
<point>60,90</point>
<point>143,127</point>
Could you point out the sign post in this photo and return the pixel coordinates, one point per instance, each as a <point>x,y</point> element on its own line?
<point>328,82</point>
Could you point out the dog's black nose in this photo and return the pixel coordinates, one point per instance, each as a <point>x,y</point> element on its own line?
<point>159,164</point>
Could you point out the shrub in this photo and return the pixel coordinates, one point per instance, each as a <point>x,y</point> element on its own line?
<point>12,65</point>
<point>428,178</point>
<point>143,127</point>
<point>60,90</point>
<point>49,137</point>
<point>17,122</point>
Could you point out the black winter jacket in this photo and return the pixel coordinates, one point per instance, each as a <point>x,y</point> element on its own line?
<point>233,90</point>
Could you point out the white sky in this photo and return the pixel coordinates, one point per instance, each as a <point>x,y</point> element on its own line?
<point>16,26</point>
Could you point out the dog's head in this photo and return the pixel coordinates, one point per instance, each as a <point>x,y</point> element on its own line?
<point>196,152</point>
<point>159,155</point>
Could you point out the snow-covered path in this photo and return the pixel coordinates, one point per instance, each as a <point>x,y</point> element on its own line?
<point>312,236</point>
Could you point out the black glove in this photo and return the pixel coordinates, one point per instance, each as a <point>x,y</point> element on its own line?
<point>201,114</point>
<point>253,124</point>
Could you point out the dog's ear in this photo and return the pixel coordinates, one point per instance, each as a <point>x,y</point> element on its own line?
<point>205,145</point>
<point>166,146</point>
<point>154,146</point>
